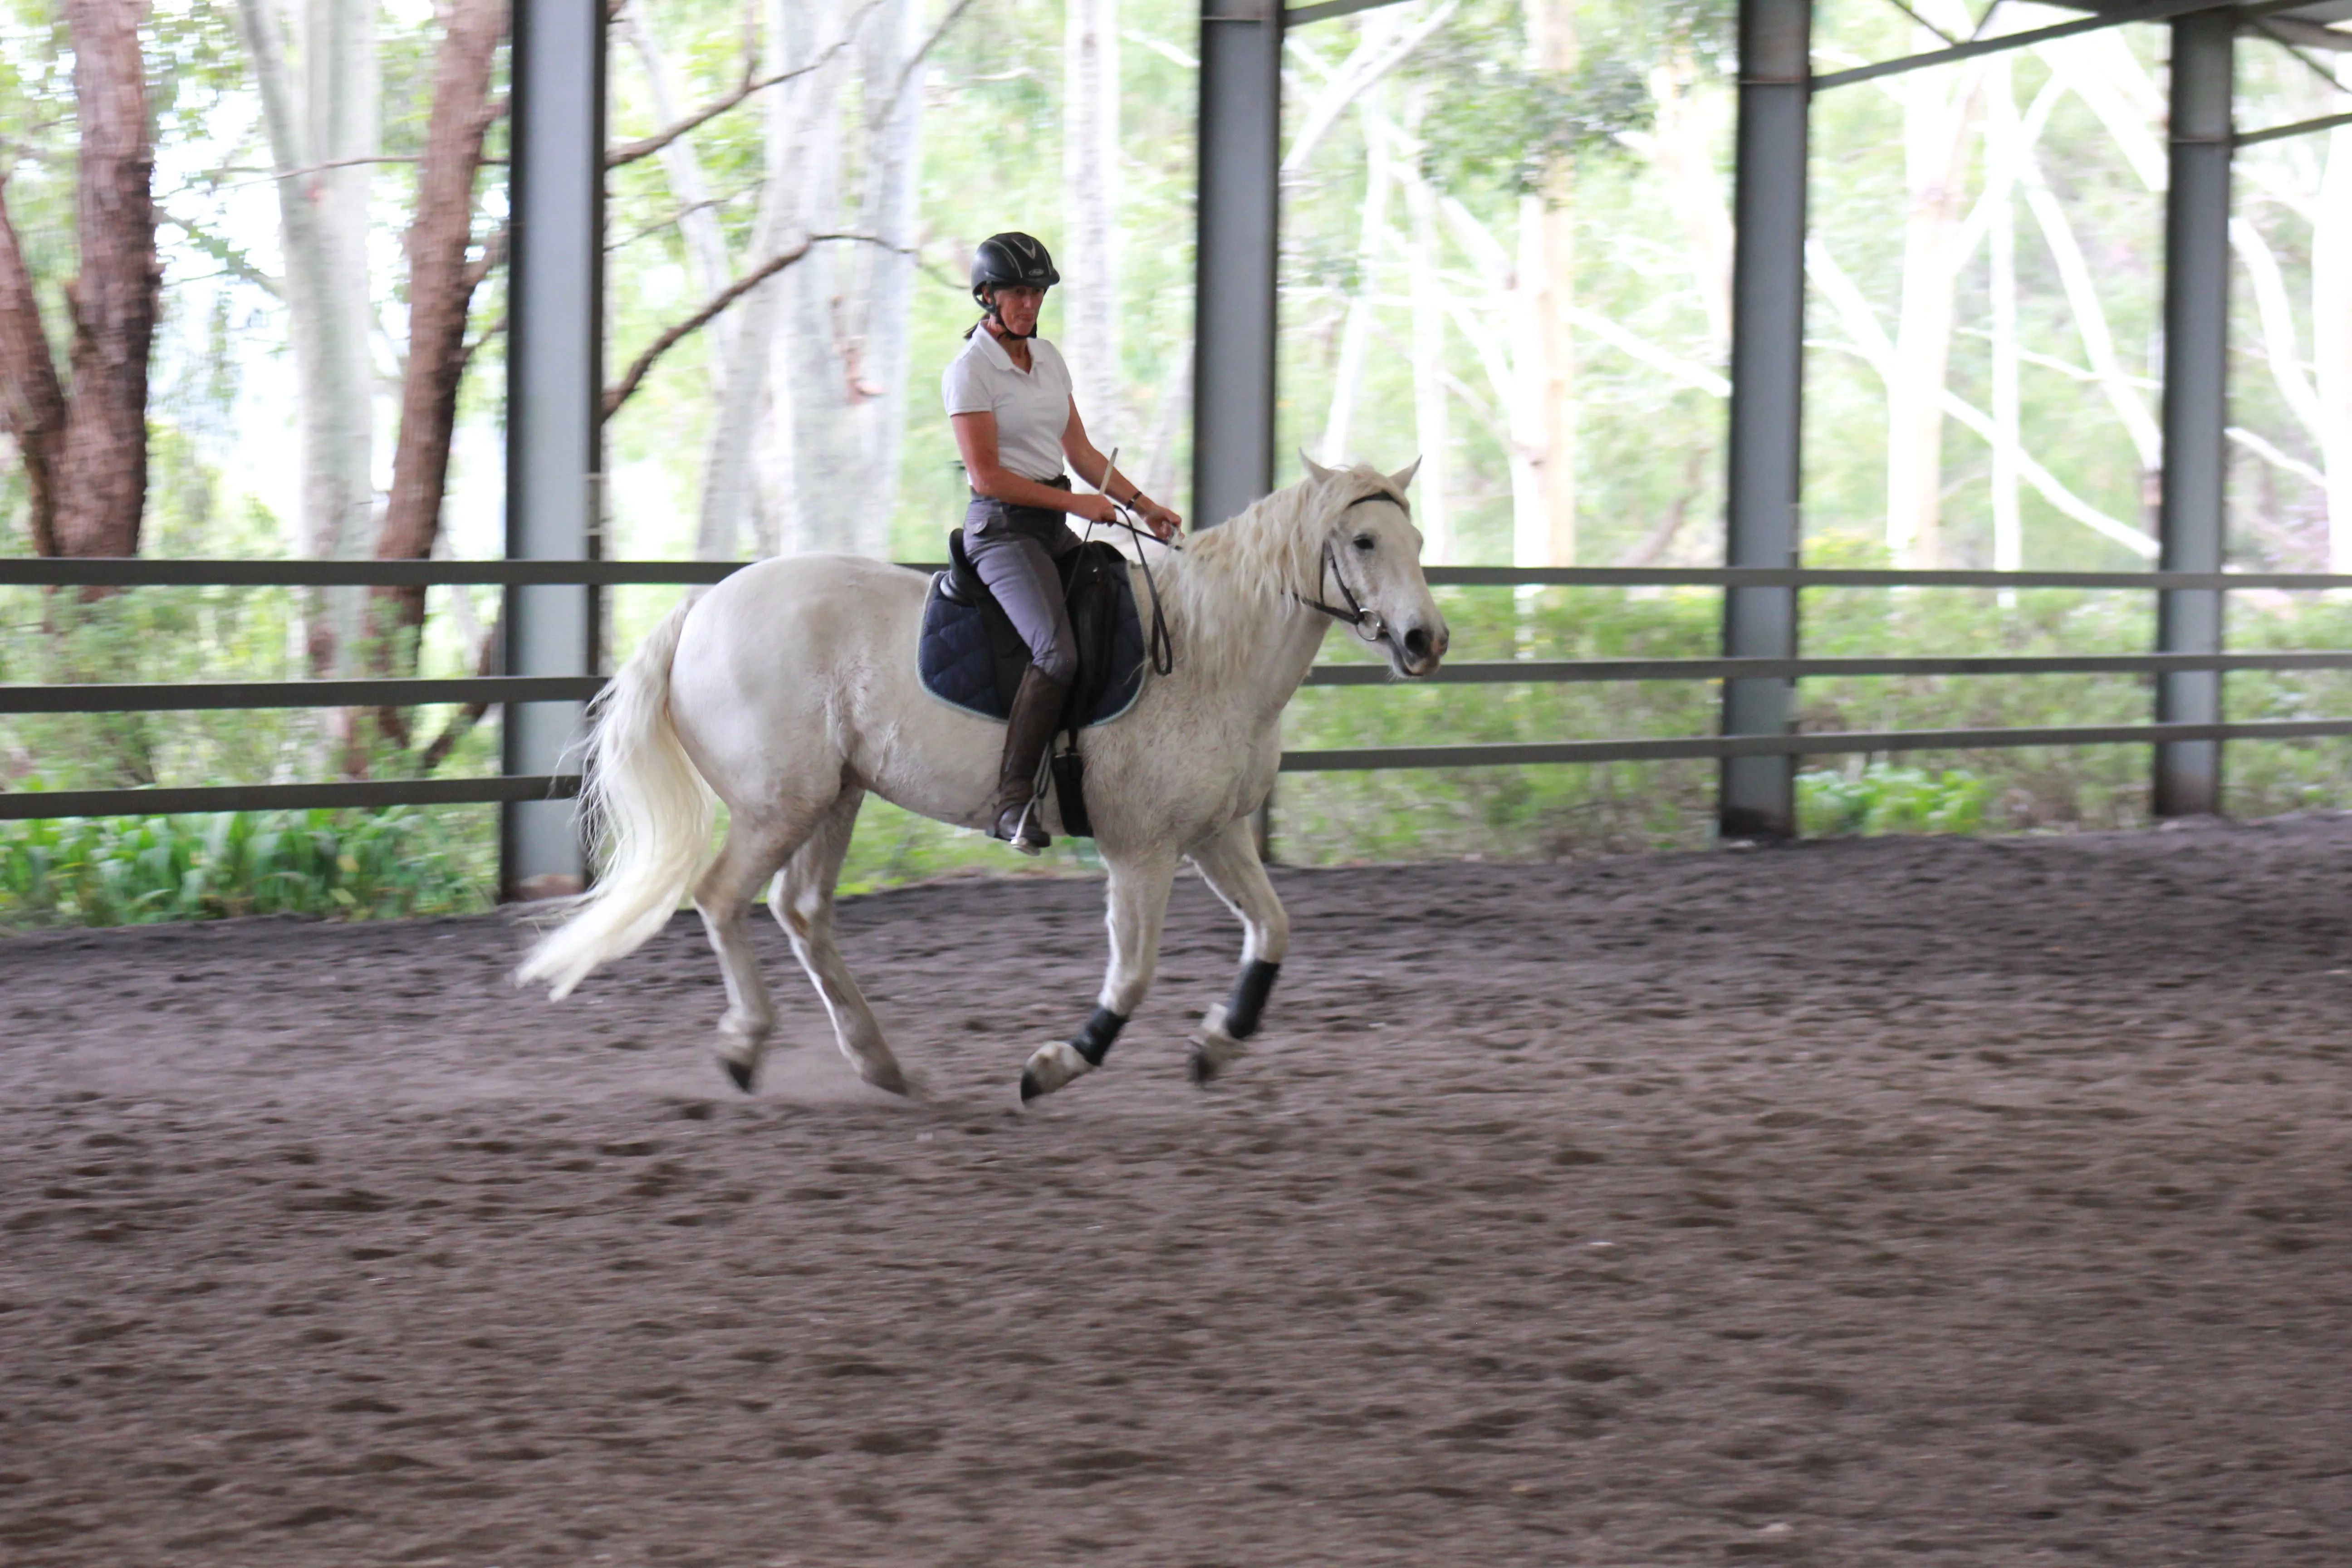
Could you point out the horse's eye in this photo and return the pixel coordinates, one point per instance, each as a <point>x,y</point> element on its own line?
<point>1364,542</point>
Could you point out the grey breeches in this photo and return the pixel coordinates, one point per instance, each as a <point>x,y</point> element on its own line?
<point>1019,570</point>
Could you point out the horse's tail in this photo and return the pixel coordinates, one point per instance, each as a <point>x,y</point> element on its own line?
<point>641,794</point>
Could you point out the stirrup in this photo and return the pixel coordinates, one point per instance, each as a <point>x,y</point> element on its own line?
<point>1027,834</point>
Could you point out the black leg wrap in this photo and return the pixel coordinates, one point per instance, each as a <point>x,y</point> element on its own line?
<point>1094,1041</point>
<point>1248,1000</point>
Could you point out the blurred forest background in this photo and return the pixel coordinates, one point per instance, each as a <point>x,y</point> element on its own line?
<point>1506,248</point>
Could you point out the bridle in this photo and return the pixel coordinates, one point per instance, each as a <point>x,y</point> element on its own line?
<point>1367,623</point>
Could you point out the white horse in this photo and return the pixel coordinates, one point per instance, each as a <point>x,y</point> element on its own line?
<point>790,690</point>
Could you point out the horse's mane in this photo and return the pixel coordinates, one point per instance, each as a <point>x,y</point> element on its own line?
<point>1232,578</point>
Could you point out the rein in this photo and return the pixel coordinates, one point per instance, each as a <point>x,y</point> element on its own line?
<point>1162,647</point>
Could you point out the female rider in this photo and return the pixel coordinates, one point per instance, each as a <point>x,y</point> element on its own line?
<point>1008,396</point>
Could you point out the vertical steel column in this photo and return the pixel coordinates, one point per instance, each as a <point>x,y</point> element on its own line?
<point>1238,234</point>
<point>1768,330</point>
<point>554,374</point>
<point>2196,375</point>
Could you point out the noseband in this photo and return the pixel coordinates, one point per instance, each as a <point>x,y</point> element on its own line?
<point>1367,623</point>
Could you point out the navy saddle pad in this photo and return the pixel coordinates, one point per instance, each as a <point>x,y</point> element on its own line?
<point>969,655</point>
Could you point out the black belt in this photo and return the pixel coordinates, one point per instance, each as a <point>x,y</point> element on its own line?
<point>1059,482</point>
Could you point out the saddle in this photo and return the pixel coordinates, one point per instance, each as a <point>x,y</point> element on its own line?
<point>971,656</point>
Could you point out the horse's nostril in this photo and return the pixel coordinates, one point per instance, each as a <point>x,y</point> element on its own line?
<point>1416,642</point>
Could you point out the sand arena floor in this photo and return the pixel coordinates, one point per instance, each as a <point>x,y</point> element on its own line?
<point>1902,1202</point>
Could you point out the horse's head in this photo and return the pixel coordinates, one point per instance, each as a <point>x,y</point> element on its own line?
<point>1370,562</point>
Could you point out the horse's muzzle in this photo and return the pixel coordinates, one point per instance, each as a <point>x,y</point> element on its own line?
<point>1420,649</point>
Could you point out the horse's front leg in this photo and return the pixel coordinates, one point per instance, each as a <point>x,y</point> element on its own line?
<point>1137,908</point>
<point>1228,862</point>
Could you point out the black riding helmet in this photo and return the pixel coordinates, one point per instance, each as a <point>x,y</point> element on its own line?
<point>1013,259</point>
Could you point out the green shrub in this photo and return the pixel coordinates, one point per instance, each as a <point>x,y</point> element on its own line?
<point>130,871</point>
<point>1883,798</point>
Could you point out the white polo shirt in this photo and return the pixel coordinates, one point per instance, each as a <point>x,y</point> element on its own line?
<point>1032,407</point>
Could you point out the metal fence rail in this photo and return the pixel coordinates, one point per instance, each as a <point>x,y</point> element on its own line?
<point>489,689</point>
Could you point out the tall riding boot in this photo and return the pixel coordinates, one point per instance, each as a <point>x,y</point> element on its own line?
<point>1036,713</point>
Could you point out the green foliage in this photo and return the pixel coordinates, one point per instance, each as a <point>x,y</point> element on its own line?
<point>1883,798</point>
<point>1501,123</point>
<point>349,865</point>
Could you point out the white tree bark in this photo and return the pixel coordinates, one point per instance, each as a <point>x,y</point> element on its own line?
<point>320,108</point>
<point>2002,135</point>
<point>1086,253</point>
<point>1866,338</point>
<point>2331,331</point>
<point>798,31</point>
<point>886,274</point>
<point>1938,106</point>
<point>1427,292</point>
<point>1356,330</point>
<point>1680,146</point>
<point>843,351</point>
<point>706,244</point>
<point>1159,476</point>
<point>1540,397</point>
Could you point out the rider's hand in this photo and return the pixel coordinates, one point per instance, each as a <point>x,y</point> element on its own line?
<point>1094,508</point>
<point>1162,522</point>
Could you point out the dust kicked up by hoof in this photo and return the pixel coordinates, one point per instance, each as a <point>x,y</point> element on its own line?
<point>1213,1049</point>
<point>1050,1066</point>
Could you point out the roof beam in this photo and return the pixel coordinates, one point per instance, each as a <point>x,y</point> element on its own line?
<point>1299,15</point>
<point>2299,128</point>
<point>2161,10</point>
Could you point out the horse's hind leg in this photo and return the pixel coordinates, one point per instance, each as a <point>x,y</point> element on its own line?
<point>755,847</point>
<point>1228,862</point>
<point>802,900</point>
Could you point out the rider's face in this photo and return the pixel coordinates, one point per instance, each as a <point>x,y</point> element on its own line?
<point>1017,305</point>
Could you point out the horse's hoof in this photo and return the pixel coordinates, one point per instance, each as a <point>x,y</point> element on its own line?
<point>739,1073</point>
<point>1050,1066</point>
<point>888,1077</point>
<point>1213,1049</point>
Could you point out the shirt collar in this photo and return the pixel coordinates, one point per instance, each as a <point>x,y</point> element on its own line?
<point>993,351</point>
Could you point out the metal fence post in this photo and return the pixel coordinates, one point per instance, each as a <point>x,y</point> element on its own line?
<point>554,379</point>
<point>2189,521</point>
<point>1768,288</point>
<point>1234,256</point>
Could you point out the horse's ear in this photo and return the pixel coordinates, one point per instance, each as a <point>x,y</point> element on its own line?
<point>1314,470</point>
<point>1404,476</point>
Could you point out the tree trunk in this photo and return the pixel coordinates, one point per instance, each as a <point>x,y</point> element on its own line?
<point>2331,331</point>
<point>1682,149</point>
<point>101,479</point>
<point>705,243</point>
<point>441,283</point>
<point>1543,406</point>
<point>316,111</point>
<point>881,303</point>
<point>32,402</point>
<point>1433,429</point>
<point>1089,292</point>
<point>2003,133</point>
<point>1936,124</point>
<point>1356,330</point>
<point>802,152</point>
<point>843,349</point>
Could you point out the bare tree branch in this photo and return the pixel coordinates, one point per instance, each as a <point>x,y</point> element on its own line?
<point>915,60</point>
<point>621,391</point>
<point>631,152</point>
<point>493,251</point>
